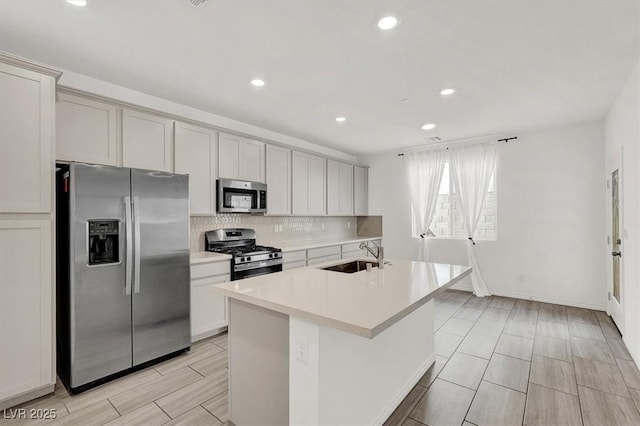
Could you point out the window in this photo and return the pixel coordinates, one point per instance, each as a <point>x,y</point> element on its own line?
<point>447,219</point>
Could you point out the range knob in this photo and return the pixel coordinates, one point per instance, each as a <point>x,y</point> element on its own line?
<point>242,259</point>
<point>271,255</point>
<point>248,259</point>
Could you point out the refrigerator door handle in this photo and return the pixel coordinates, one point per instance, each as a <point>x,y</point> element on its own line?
<point>136,224</point>
<point>128,239</point>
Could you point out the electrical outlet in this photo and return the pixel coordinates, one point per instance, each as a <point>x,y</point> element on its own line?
<point>275,228</point>
<point>302,349</point>
<point>348,225</point>
<point>322,226</point>
<point>281,227</point>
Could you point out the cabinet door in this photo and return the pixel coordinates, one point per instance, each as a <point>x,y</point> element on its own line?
<point>360,192</point>
<point>208,307</point>
<point>26,140</point>
<point>317,185</point>
<point>339,188</point>
<point>299,182</point>
<point>195,155</point>
<point>26,329</point>
<point>85,131</point>
<point>251,160</point>
<point>146,141</point>
<point>228,155</point>
<point>278,180</point>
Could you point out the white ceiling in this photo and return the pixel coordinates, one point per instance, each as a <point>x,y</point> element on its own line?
<point>516,65</point>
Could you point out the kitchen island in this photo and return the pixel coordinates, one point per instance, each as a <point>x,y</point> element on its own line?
<point>310,346</point>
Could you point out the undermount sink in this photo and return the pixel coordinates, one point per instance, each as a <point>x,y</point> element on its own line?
<point>351,267</point>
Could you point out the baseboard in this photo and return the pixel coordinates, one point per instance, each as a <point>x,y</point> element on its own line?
<point>26,396</point>
<point>552,300</point>
<point>210,333</point>
<point>632,352</point>
<point>406,389</point>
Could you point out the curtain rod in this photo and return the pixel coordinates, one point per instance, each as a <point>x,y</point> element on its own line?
<point>457,142</point>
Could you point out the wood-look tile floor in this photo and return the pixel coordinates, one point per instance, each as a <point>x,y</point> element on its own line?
<point>499,361</point>
<point>502,361</point>
<point>190,389</point>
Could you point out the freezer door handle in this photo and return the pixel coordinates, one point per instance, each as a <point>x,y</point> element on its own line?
<point>128,238</point>
<point>136,259</point>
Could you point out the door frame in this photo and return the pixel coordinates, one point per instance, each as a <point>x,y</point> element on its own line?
<point>613,309</point>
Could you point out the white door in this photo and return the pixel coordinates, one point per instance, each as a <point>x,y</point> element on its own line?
<point>360,190</point>
<point>614,240</point>
<point>251,160</point>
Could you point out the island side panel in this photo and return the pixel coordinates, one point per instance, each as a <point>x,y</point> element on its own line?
<point>358,380</point>
<point>258,365</point>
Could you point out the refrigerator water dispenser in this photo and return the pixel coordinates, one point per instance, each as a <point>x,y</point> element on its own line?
<point>103,242</point>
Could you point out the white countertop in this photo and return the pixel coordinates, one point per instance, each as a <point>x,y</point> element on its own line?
<point>363,303</point>
<point>301,245</point>
<point>207,256</point>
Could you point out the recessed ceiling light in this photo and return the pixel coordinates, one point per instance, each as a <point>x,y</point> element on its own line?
<point>341,119</point>
<point>447,92</point>
<point>257,82</point>
<point>387,23</point>
<point>78,2</point>
<point>429,126</point>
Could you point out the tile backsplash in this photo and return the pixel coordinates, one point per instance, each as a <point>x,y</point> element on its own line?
<point>276,230</point>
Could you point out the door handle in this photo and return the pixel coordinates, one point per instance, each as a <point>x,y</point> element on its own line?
<point>128,241</point>
<point>136,225</point>
<point>616,253</point>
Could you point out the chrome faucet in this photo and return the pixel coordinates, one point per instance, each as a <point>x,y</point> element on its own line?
<point>378,253</point>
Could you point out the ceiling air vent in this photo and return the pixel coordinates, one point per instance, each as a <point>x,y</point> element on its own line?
<point>435,139</point>
<point>197,2</point>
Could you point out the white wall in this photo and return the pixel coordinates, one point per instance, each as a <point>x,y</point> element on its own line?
<point>622,130</point>
<point>550,217</point>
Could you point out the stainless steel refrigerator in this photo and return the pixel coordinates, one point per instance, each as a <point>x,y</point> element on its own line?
<point>123,278</point>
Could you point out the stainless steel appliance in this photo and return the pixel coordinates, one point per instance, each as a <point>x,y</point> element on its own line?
<point>238,196</point>
<point>123,277</point>
<point>247,258</point>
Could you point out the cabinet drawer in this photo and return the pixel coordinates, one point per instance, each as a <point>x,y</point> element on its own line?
<point>318,260</point>
<point>294,256</point>
<point>323,251</point>
<point>293,265</point>
<point>208,269</point>
<point>210,280</point>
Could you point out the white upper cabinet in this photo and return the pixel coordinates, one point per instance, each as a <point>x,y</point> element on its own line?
<point>146,141</point>
<point>278,180</point>
<point>241,158</point>
<point>86,130</point>
<point>195,155</point>
<point>361,190</point>
<point>309,179</point>
<point>339,188</point>
<point>27,102</point>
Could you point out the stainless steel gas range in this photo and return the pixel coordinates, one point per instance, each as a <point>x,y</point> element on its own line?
<point>247,258</point>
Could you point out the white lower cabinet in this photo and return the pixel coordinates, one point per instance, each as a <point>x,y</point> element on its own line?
<point>208,307</point>
<point>26,326</point>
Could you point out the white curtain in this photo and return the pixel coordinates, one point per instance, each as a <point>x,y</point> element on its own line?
<point>425,170</point>
<point>472,167</point>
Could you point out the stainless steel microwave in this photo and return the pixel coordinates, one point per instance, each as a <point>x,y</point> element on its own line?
<point>238,196</point>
